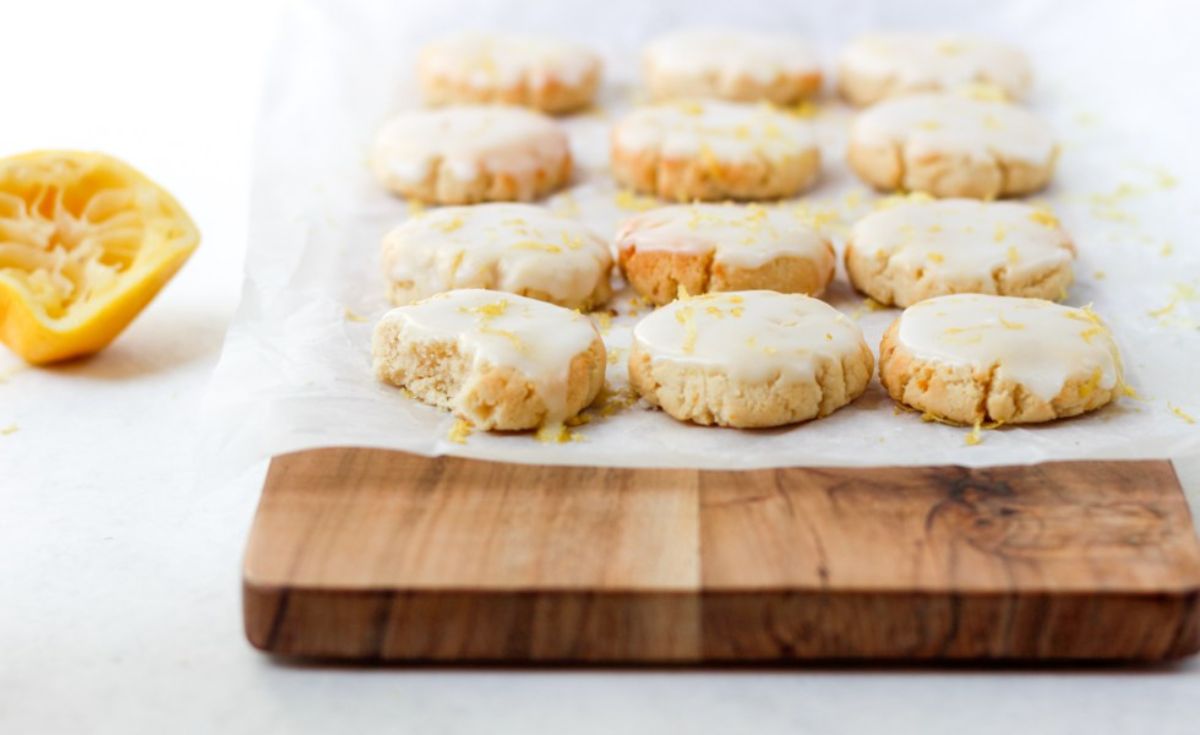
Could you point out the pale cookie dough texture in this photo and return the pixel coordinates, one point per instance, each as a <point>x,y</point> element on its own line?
<point>714,150</point>
<point>744,66</point>
<point>517,248</point>
<point>497,360</point>
<point>470,154</point>
<point>950,145</point>
<point>883,65</point>
<point>722,247</point>
<point>976,359</point>
<point>920,249</point>
<point>547,74</point>
<point>749,359</point>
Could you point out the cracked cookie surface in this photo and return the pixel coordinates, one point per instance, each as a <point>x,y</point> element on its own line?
<point>920,249</point>
<point>749,359</point>
<point>948,145</point>
<point>972,358</point>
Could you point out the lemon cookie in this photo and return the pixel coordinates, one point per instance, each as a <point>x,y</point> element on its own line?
<point>463,155</point>
<point>976,358</point>
<point>497,360</point>
<point>714,150</point>
<point>952,146</point>
<point>722,247</point>
<point>547,74</point>
<point>920,249</point>
<point>749,359</point>
<point>735,65</point>
<point>882,65</point>
<point>517,248</point>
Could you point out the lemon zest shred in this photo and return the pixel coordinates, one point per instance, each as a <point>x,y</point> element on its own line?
<point>1181,413</point>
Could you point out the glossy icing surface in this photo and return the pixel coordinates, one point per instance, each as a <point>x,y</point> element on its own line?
<point>742,235</point>
<point>949,123</point>
<point>724,56</point>
<point>751,335</point>
<point>726,131</point>
<point>507,247</point>
<point>467,140</point>
<point>945,61</point>
<point>1036,343</point>
<point>491,59</point>
<point>964,239</point>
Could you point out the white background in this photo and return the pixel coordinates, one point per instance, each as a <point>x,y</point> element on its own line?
<point>119,599</point>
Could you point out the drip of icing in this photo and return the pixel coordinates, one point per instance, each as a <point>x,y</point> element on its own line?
<point>922,61</point>
<point>944,123</point>
<point>752,335</point>
<point>487,59</point>
<point>505,330</point>
<point>727,130</point>
<point>727,56</point>
<point>507,247</point>
<point>468,140</point>
<point>746,236</point>
<point>1036,343</point>
<point>964,240</point>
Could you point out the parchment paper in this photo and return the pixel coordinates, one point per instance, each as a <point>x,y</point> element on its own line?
<point>295,372</point>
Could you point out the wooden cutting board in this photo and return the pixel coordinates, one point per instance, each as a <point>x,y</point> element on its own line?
<point>374,555</point>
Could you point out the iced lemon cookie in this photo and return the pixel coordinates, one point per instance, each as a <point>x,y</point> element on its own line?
<point>714,150</point>
<point>547,74</point>
<point>882,65</point>
<point>518,248</point>
<point>974,358</point>
<point>749,359</point>
<point>949,145</point>
<point>497,360</point>
<point>920,249</point>
<point>736,65</point>
<point>722,247</point>
<point>463,155</point>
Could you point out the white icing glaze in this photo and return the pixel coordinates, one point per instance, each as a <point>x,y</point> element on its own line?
<point>728,131</point>
<point>506,247</point>
<point>926,124</point>
<point>484,60</point>
<point>927,61</point>
<point>505,330</point>
<point>746,236</point>
<point>722,57</point>
<point>468,140</point>
<point>964,240</point>
<point>751,335</point>
<point>1036,343</point>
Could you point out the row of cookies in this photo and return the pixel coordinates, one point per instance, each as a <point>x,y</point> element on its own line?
<point>749,359</point>
<point>907,252</point>
<point>942,144</point>
<point>557,76</point>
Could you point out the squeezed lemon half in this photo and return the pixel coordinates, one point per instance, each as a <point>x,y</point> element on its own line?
<point>86,241</point>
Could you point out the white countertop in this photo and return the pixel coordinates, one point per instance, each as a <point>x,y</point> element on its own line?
<point>119,571</point>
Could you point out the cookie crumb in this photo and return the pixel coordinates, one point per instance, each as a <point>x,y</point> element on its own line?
<point>460,431</point>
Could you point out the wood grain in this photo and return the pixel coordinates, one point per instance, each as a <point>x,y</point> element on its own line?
<point>376,555</point>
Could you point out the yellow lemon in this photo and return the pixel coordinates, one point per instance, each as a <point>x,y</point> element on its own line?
<point>86,241</point>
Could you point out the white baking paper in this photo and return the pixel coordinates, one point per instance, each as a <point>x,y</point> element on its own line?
<point>295,372</point>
